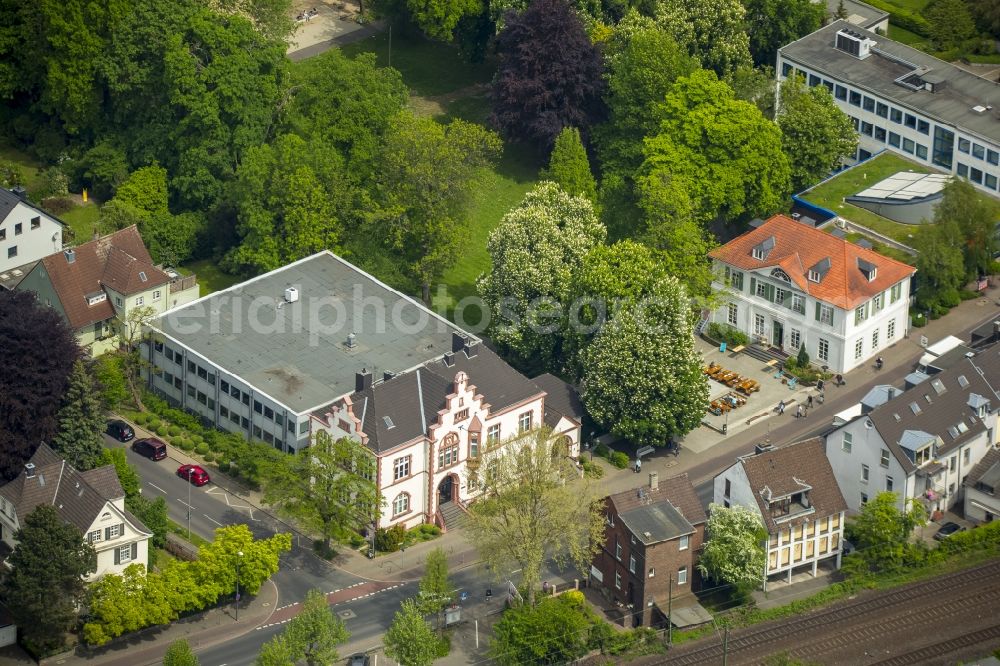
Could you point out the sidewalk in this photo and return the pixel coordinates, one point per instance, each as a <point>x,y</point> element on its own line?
<point>203,630</point>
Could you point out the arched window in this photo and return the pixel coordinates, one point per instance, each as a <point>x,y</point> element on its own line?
<point>401,504</point>
<point>781,275</point>
<point>451,439</point>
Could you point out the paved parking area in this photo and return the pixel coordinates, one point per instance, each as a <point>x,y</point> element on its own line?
<point>333,25</point>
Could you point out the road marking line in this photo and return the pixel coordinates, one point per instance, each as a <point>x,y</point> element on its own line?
<point>213,520</point>
<point>184,503</point>
<point>158,488</point>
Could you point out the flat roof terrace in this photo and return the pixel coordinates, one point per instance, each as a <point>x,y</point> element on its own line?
<point>306,353</point>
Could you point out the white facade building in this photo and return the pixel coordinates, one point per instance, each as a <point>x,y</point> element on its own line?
<point>982,489</point>
<point>903,100</point>
<point>92,501</point>
<point>794,491</point>
<point>789,284</point>
<point>27,234</point>
<point>921,443</point>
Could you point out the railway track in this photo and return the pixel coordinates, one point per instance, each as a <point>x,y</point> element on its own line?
<point>856,620</point>
<point>944,648</point>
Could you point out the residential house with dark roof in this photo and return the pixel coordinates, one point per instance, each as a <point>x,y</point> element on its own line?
<point>794,491</point>
<point>27,233</point>
<point>789,285</point>
<point>903,100</point>
<point>982,489</point>
<point>652,538</point>
<point>91,501</point>
<point>920,443</point>
<point>95,286</point>
<point>320,345</point>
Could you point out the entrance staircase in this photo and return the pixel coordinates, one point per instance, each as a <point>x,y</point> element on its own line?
<point>765,353</point>
<point>453,516</point>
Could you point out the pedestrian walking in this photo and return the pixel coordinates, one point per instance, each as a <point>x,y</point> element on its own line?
<point>638,465</point>
<point>801,411</point>
<point>809,402</point>
<point>781,407</point>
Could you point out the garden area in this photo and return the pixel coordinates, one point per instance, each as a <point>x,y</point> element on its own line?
<point>947,29</point>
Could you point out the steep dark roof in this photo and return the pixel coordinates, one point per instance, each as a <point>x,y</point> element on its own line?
<point>654,523</point>
<point>115,260</point>
<point>987,471</point>
<point>501,385</point>
<point>790,469</point>
<point>410,401</point>
<point>9,201</point>
<point>936,406</point>
<point>675,491</point>
<point>561,399</point>
<point>79,497</point>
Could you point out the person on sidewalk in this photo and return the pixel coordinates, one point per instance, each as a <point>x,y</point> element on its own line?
<point>809,402</point>
<point>781,407</point>
<point>638,465</point>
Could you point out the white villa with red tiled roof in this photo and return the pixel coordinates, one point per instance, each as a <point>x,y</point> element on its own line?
<point>790,284</point>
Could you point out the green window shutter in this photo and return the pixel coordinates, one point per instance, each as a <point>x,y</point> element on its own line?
<point>135,551</point>
<point>817,310</point>
<point>753,286</point>
<point>118,556</point>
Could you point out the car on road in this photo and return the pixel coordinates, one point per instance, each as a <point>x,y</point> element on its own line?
<point>151,447</point>
<point>120,430</point>
<point>196,474</point>
<point>358,660</point>
<point>947,530</point>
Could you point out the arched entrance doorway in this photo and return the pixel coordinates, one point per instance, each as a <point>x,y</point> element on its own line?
<point>447,489</point>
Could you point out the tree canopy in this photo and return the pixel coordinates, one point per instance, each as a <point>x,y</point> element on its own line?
<point>311,636</point>
<point>714,155</point>
<point>976,217</point>
<point>881,530</point>
<point>815,133</point>
<point>80,439</point>
<point>713,31</point>
<point>534,251</point>
<point>770,24</point>
<point>549,76</point>
<point>569,167</point>
<point>44,585</point>
<point>410,639</point>
<point>734,548</point>
<point>555,631</point>
<point>35,376</point>
<point>532,508</point>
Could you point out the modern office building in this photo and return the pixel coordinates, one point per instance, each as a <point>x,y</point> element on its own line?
<point>904,100</point>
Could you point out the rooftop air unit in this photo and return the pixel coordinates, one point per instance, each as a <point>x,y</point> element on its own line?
<point>291,295</point>
<point>854,43</point>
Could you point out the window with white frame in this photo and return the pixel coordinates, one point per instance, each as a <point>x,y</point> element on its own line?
<point>631,563</point>
<point>139,300</point>
<point>618,551</point>
<point>864,473</point>
<point>895,292</point>
<point>733,314</point>
<point>847,443</point>
<point>826,314</point>
<point>682,576</point>
<point>875,339</point>
<point>125,554</point>
<point>888,484</point>
<point>684,542</point>
<point>823,349</point>
<point>652,572</point>
<point>762,289</point>
<point>524,422</point>
<point>890,330</point>
<point>864,499</point>
<point>878,302</point>
<point>860,314</point>
<point>493,434</point>
<point>884,459</point>
<point>798,303</point>
<point>401,504</point>
<point>94,536</point>
<point>156,294</point>
<point>859,349</point>
<point>758,324</point>
<point>618,580</point>
<point>795,338</point>
<point>401,468</point>
<point>114,531</point>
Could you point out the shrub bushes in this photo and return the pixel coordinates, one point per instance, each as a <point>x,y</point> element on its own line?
<point>186,444</point>
<point>173,431</point>
<point>160,430</point>
<point>592,470</point>
<point>223,466</point>
<point>619,459</point>
<point>388,540</point>
<point>726,333</point>
<point>201,449</point>
<point>602,450</point>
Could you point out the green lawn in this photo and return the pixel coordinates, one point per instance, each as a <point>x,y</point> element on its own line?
<point>831,193</point>
<point>29,166</point>
<point>906,37</point>
<point>81,221</point>
<point>429,68</point>
<point>210,276</point>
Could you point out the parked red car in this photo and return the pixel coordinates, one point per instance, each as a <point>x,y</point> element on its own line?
<point>196,474</point>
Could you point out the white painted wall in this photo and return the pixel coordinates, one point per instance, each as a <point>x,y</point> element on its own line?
<point>31,244</point>
<point>866,449</point>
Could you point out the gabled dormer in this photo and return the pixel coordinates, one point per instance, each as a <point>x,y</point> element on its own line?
<point>868,269</point>
<point>979,405</point>
<point>787,506</point>
<point>818,271</point>
<point>761,250</point>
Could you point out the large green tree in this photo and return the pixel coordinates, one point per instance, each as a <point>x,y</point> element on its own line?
<point>126,603</point>
<point>410,639</point>
<point>734,548</point>
<point>179,653</point>
<point>714,31</point>
<point>549,75</point>
<point>426,179</point>
<point>35,376</point>
<point>714,154</point>
<point>950,23</point>
<point>940,263</point>
<point>311,636</point>
<point>976,217</point>
<point>771,24</point>
<point>436,591</point>
<point>881,530</point>
<point>642,377</point>
<point>533,507</point>
<point>80,439</point>
<point>555,631</point>
<point>534,251</point>
<point>439,18</point>
<point>44,584</point>
<point>815,134</point>
<point>569,167</point>
<point>325,486</point>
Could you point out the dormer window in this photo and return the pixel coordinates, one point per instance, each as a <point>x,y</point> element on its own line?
<point>819,270</point>
<point>814,276</point>
<point>761,250</point>
<point>868,269</point>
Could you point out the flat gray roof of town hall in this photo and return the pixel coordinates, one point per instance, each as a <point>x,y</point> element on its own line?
<point>298,354</point>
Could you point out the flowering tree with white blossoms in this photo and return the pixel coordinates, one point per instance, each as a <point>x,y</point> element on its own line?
<point>734,547</point>
<point>642,375</point>
<point>534,251</point>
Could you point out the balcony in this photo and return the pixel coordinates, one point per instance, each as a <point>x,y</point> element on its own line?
<point>183,283</point>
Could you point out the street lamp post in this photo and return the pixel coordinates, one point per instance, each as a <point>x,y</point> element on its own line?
<point>238,560</point>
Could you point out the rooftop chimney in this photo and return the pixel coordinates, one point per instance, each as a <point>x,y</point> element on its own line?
<point>457,342</point>
<point>386,376</point>
<point>761,448</point>
<point>654,481</point>
<point>29,470</point>
<point>449,358</point>
<point>70,255</point>
<point>352,341</point>
<point>20,192</point>
<point>362,380</point>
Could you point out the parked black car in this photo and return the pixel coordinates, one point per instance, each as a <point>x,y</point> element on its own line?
<point>121,431</point>
<point>152,448</point>
<point>947,530</point>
